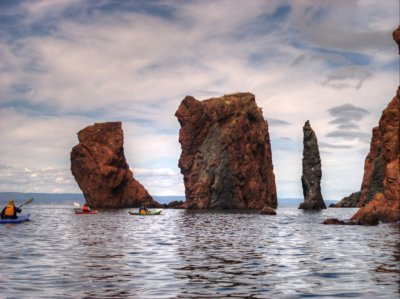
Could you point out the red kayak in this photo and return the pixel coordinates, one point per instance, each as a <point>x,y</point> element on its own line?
<point>81,212</point>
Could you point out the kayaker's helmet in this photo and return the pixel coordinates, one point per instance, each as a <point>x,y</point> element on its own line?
<point>11,201</point>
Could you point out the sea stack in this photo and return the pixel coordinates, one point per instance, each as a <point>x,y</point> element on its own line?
<point>101,171</point>
<point>226,158</point>
<point>380,190</point>
<point>312,173</point>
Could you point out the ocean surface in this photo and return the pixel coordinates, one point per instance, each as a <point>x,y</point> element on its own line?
<point>196,254</point>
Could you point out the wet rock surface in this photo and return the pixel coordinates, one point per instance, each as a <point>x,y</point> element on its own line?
<point>312,172</point>
<point>101,171</point>
<point>267,211</point>
<point>334,221</point>
<point>226,155</point>
<point>350,201</point>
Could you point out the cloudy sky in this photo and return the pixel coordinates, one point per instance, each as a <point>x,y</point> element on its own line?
<point>66,64</point>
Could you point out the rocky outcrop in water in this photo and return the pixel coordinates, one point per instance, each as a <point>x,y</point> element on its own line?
<point>312,173</point>
<point>101,171</point>
<point>267,211</point>
<point>350,201</point>
<point>381,182</point>
<point>226,158</point>
<point>380,189</point>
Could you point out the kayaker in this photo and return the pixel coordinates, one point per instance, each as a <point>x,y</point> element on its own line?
<point>143,210</point>
<point>10,211</point>
<point>85,208</point>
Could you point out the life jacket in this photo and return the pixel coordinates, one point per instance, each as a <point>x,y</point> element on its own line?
<point>10,210</point>
<point>142,212</point>
<point>85,208</point>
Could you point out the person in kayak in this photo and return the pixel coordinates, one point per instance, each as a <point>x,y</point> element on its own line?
<point>143,210</point>
<point>10,211</point>
<point>86,208</point>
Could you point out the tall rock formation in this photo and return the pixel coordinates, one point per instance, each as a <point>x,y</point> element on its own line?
<point>380,188</point>
<point>226,158</point>
<point>381,182</point>
<point>100,169</point>
<point>312,173</point>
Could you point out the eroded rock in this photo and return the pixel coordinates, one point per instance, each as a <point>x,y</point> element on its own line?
<point>380,189</point>
<point>350,201</point>
<point>267,211</point>
<point>312,172</point>
<point>101,171</point>
<point>396,37</point>
<point>226,158</point>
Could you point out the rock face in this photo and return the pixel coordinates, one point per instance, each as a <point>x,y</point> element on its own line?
<point>100,169</point>
<point>312,172</point>
<point>350,201</point>
<point>396,37</point>
<point>380,190</point>
<point>226,158</point>
<point>349,222</point>
<point>267,211</point>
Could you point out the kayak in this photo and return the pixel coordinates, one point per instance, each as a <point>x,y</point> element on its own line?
<point>81,212</point>
<point>150,213</point>
<point>20,219</point>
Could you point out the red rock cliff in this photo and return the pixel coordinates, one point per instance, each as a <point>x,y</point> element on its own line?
<point>226,155</point>
<point>380,189</point>
<point>101,171</point>
<point>381,182</point>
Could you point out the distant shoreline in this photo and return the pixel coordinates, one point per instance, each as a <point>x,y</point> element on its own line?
<point>78,197</point>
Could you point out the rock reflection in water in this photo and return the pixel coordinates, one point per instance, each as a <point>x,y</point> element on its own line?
<point>224,256</point>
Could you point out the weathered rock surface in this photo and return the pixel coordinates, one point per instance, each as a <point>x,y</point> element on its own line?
<point>380,191</point>
<point>312,173</point>
<point>396,37</point>
<point>350,201</point>
<point>267,211</point>
<point>101,171</point>
<point>176,204</point>
<point>335,221</point>
<point>226,158</point>
<point>380,188</point>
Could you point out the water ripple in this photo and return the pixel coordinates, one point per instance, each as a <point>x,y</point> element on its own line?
<point>197,254</point>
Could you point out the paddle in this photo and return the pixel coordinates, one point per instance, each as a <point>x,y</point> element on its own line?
<point>25,203</point>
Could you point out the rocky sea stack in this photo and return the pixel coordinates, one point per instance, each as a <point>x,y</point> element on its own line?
<point>381,182</point>
<point>312,173</point>
<point>101,171</point>
<point>380,189</point>
<point>226,158</point>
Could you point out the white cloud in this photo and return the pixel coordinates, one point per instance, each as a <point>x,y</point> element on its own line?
<point>15,179</point>
<point>160,181</point>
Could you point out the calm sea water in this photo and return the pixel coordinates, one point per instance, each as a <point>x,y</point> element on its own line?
<point>196,254</point>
